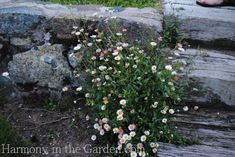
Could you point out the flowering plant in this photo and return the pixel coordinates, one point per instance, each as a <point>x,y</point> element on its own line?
<point>131,89</point>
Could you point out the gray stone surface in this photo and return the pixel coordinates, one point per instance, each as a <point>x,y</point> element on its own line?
<point>44,65</point>
<point>27,23</point>
<point>213,74</point>
<point>210,27</point>
<point>213,129</point>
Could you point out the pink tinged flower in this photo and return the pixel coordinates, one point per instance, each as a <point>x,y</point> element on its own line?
<point>132,127</point>
<point>105,120</point>
<point>115,52</point>
<point>122,141</point>
<point>115,130</point>
<point>140,145</point>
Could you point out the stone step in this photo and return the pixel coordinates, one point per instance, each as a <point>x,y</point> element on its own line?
<point>212,74</point>
<point>205,27</point>
<point>212,140</point>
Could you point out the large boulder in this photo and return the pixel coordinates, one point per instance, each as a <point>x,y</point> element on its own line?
<point>45,66</point>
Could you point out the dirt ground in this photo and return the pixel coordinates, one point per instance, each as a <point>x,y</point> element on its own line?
<point>60,134</point>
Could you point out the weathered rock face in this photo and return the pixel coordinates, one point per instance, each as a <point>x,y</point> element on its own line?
<point>213,73</point>
<point>28,24</point>
<point>45,66</point>
<point>210,27</point>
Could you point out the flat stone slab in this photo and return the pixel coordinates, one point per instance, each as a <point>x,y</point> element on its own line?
<point>210,27</point>
<point>213,129</point>
<point>213,74</point>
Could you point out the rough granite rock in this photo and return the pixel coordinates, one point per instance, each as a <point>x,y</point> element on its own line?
<point>25,24</point>
<point>44,65</point>
<point>213,73</point>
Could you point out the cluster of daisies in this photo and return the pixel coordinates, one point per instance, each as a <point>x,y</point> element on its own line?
<point>129,90</point>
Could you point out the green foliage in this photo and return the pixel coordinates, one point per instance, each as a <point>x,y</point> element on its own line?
<point>132,90</point>
<point>171,34</point>
<point>8,135</point>
<point>123,3</point>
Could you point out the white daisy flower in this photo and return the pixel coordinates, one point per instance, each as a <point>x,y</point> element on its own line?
<point>5,74</point>
<point>96,126</point>
<point>132,127</point>
<point>119,34</point>
<point>117,58</point>
<point>125,45</point>
<point>87,117</point>
<point>93,58</point>
<point>107,127</point>
<point>115,52</point>
<point>154,68</point>
<point>65,89</point>
<point>103,107</point>
<point>93,137</point>
<point>87,95</point>
<point>155,104</point>
<point>78,33</point>
<point>102,132</point>
<point>119,118</point>
<point>93,36</point>
<point>125,137</point>
<point>120,112</point>
<point>133,154</point>
<point>171,111</point>
<point>153,44</point>
<point>142,154</point>
<point>147,132</point>
<point>168,67</point>
<point>196,107</point>
<point>154,150</point>
<point>185,108</point>
<point>79,89</point>
<point>164,120</point>
<point>102,68</point>
<point>143,138</point>
<point>115,130</point>
<point>134,66</point>
<point>132,134</point>
<point>89,44</point>
<point>119,48</point>
<point>129,146</point>
<point>78,47</point>
<point>98,40</point>
<point>105,120</point>
<point>123,102</point>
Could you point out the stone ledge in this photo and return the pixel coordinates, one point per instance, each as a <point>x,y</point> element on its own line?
<point>213,73</point>
<point>206,27</point>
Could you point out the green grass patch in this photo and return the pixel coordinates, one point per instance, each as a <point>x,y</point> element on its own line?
<point>111,3</point>
<point>8,135</point>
